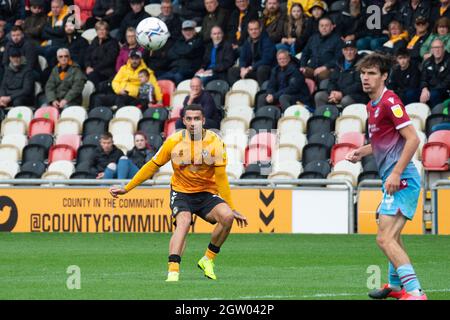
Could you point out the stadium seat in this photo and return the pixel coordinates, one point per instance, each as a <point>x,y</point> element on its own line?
<point>319,124</point>
<point>316,169</point>
<point>9,152</point>
<point>104,113</point>
<point>368,175</point>
<point>243,112</point>
<point>337,6</point>
<point>286,169</point>
<point>435,156</point>
<point>329,111</point>
<point>234,170</point>
<point>61,152</point>
<point>88,90</point>
<point>369,164</point>
<point>232,124</point>
<point>237,139</point>
<point>67,126</point>
<point>290,146</point>
<point>234,154</point>
<point>357,109</point>
<point>89,34</point>
<point>291,124</point>
<point>327,139</point>
<point>44,140</point>
<point>355,138</point>
<point>247,85</point>
<point>92,139</point>
<point>40,126</point>
<point>153,9</point>
<point>346,170</point>
<point>184,85</point>
<point>257,153</point>
<point>130,112</point>
<point>419,111</point>
<point>161,114</point>
<point>267,139</point>
<point>263,123</point>
<point>175,112</point>
<point>24,113</point>
<point>151,126</point>
<point>339,151</point>
<point>311,85</point>
<point>82,175</point>
<point>34,169</point>
<point>13,126</point>
<point>72,140</point>
<point>178,98</point>
<point>18,140</point>
<point>47,112</point>
<point>440,136</point>
<point>313,152</point>
<point>349,124</point>
<point>433,120</point>
<point>441,108</point>
<point>62,166</point>
<point>218,86</point>
<point>8,169</point>
<point>53,176</point>
<point>237,98</point>
<point>169,127</point>
<point>121,126</point>
<point>35,153</point>
<point>298,111</point>
<point>268,111</point>
<point>124,142</point>
<point>259,170</point>
<point>167,88</point>
<point>86,153</point>
<point>155,141</point>
<point>75,112</point>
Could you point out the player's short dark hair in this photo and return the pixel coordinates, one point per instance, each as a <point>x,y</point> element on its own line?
<point>377,60</point>
<point>145,72</point>
<point>106,136</point>
<point>194,107</point>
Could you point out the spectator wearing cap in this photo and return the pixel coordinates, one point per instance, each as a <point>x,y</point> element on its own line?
<point>317,10</point>
<point>17,87</point>
<point>435,79</point>
<point>350,20</point>
<point>110,11</point>
<point>441,31</point>
<point>442,9</point>
<point>257,56</point>
<point>76,44</point>
<point>192,10</point>
<point>286,85</point>
<point>101,55</point>
<point>34,24</point>
<point>293,38</point>
<point>218,58</point>
<point>321,51</point>
<point>171,19</point>
<point>215,16</point>
<point>412,9</point>
<point>185,56</point>
<point>398,38</point>
<point>273,20</point>
<point>66,82</point>
<point>126,84</point>
<point>404,78</point>
<point>86,7</point>
<point>132,18</point>
<point>130,44</point>
<point>237,30</point>
<point>344,87</point>
<point>418,39</point>
<point>12,13</point>
<point>201,97</point>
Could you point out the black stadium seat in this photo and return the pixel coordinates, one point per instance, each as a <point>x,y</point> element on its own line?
<point>326,138</point>
<point>94,126</point>
<point>268,111</point>
<point>104,113</point>
<point>318,124</point>
<point>220,86</point>
<point>258,170</point>
<point>92,140</point>
<point>44,140</point>
<point>316,169</point>
<point>155,140</point>
<point>83,166</point>
<point>263,123</point>
<point>82,175</point>
<point>369,164</point>
<point>85,153</point>
<point>313,152</point>
<point>150,126</point>
<point>161,114</point>
<point>434,119</point>
<point>34,152</point>
<point>33,169</point>
<point>329,111</point>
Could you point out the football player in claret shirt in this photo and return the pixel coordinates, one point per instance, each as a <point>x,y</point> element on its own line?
<point>393,142</point>
<point>198,159</point>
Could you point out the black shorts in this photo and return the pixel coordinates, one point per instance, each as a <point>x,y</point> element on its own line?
<point>199,203</point>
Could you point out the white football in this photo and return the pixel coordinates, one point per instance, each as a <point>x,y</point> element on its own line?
<point>152,33</point>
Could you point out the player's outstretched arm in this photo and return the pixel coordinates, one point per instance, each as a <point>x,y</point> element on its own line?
<point>357,154</point>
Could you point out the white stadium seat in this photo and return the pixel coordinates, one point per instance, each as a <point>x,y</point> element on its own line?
<point>21,112</point>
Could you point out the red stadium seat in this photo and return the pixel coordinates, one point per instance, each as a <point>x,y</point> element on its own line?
<point>61,152</point>
<point>264,139</point>
<point>257,153</point>
<point>169,127</point>
<point>167,87</point>
<point>72,140</point>
<point>339,150</point>
<point>440,136</point>
<point>311,85</point>
<point>356,138</point>
<point>51,113</point>
<point>40,126</point>
<point>435,156</point>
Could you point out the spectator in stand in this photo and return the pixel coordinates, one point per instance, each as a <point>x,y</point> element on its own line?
<point>193,10</point>
<point>101,56</point>
<point>237,25</point>
<point>185,55</point>
<point>257,56</point>
<point>440,10</point>
<point>135,159</point>
<point>317,10</point>
<point>273,20</point>
<point>110,11</point>
<point>441,31</point>
<point>171,19</point>
<point>412,9</point>
<point>12,13</point>
<point>418,39</point>
<point>201,97</point>
<point>76,44</point>
<point>405,78</point>
<point>146,96</point>
<point>130,44</point>
<point>159,60</point>
<point>106,155</point>
<point>350,20</point>
<point>398,38</point>
<point>306,5</point>
<point>344,87</point>
<point>321,51</point>
<point>34,24</point>
<point>293,39</point>
<point>369,36</point>
<point>126,84</point>
<point>66,82</point>
<point>215,16</point>
<point>17,87</point>
<point>435,80</point>
<point>132,18</point>
<point>86,8</point>
<point>390,12</point>
<point>53,32</point>
<point>2,51</point>
<point>286,85</point>
<point>218,58</point>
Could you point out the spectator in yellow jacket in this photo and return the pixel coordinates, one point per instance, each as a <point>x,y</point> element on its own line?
<point>306,5</point>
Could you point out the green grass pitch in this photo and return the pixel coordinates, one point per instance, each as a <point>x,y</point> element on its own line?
<point>256,266</point>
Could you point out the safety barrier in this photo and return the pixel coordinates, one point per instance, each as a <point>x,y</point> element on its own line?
<point>440,202</point>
